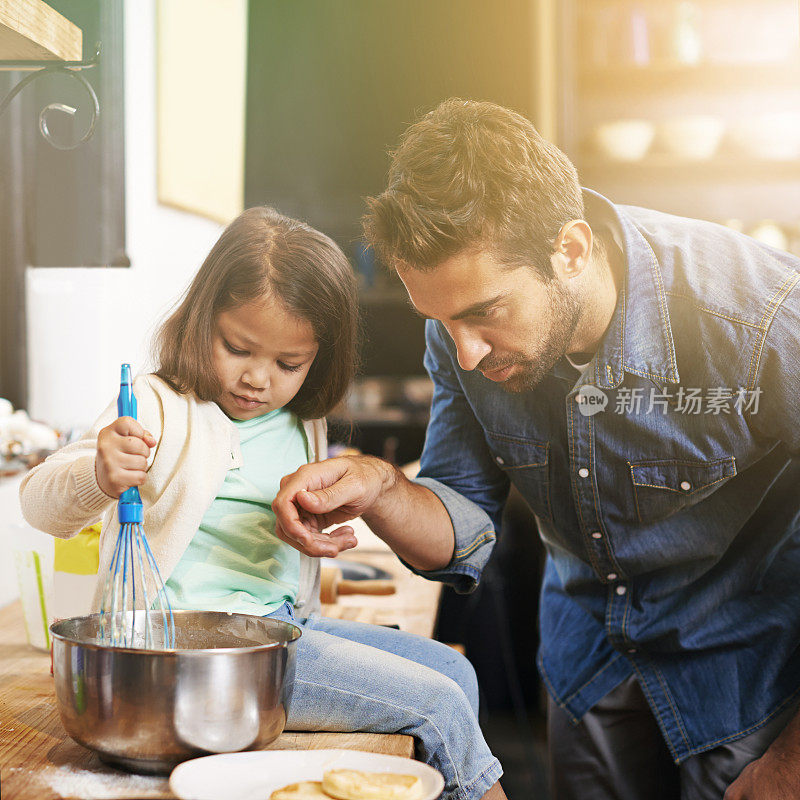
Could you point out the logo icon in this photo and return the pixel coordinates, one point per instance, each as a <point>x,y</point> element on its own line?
<point>590,400</point>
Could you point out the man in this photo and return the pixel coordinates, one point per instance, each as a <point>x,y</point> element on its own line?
<point>634,374</point>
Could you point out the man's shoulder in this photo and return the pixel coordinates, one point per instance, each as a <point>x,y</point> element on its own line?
<point>715,269</point>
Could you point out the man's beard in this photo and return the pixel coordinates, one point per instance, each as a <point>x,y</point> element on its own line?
<point>565,311</point>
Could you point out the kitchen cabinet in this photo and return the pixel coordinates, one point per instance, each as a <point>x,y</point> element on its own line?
<point>689,107</point>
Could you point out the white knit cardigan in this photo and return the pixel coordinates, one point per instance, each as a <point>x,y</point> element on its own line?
<point>196,444</point>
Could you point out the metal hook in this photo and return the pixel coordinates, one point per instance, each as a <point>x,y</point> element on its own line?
<point>43,118</point>
<point>68,68</point>
<point>70,110</point>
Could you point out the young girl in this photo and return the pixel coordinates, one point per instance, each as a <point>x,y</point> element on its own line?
<point>261,347</point>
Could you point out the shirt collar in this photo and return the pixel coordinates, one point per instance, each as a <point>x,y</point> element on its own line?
<point>639,338</point>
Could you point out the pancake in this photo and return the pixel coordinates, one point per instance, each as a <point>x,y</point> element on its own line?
<point>352,784</point>
<point>305,790</point>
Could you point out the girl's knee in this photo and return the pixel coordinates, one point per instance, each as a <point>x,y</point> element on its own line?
<point>454,692</point>
<point>460,670</point>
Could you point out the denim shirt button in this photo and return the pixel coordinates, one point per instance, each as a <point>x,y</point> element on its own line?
<point>597,535</point>
<point>612,576</point>
<point>685,485</point>
<point>621,590</point>
<point>500,461</point>
<point>583,472</point>
<point>631,650</point>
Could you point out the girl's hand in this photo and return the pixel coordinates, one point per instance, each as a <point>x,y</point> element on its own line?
<point>122,451</point>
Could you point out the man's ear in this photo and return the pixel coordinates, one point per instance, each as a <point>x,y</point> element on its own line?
<point>572,249</point>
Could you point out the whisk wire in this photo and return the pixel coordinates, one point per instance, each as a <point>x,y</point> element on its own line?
<point>107,599</point>
<point>138,535</point>
<point>165,607</point>
<point>126,583</point>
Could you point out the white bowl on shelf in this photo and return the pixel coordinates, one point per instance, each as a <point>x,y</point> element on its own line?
<point>774,137</point>
<point>694,137</point>
<point>624,139</point>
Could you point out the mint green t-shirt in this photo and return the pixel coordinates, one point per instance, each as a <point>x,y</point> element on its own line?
<point>234,561</point>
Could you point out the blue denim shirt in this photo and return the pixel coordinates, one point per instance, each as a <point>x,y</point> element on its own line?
<point>671,525</point>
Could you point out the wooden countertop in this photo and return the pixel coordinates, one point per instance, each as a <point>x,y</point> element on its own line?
<point>38,761</point>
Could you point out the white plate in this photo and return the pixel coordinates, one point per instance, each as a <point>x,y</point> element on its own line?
<point>254,775</point>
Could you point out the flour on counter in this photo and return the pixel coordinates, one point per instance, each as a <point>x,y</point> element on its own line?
<point>85,784</point>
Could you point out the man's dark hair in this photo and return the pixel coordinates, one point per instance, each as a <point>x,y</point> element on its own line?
<point>473,175</point>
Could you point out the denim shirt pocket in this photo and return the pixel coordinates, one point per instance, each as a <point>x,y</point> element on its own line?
<point>662,487</point>
<point>527,464</point>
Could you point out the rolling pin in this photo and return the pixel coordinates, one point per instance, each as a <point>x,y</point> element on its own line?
<point>332,585</point>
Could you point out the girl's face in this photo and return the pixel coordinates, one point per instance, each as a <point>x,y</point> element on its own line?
<point>261,354</point>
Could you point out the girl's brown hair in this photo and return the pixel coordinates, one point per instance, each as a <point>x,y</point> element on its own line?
<point>473,174</point>
<point>263,253</point>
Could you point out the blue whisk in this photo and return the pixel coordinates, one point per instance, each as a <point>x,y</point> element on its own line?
<point>124,622</point>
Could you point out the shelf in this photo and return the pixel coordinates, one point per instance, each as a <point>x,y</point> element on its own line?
<point>669,169</point>
<point>746,72</point>
<point>32,31</point>
<point>690,77</point>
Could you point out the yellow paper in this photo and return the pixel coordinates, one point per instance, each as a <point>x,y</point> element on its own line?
<point>79,555</point>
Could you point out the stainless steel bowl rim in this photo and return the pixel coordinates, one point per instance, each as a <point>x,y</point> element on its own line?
<point>176,651</point>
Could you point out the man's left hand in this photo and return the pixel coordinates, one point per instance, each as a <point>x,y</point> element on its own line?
<point>774,776</point>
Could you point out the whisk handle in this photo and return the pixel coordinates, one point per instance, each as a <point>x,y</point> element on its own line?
<point>126,402</point>
<point>130,502</point>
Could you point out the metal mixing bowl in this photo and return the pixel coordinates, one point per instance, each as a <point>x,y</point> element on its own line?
<point>225,687</point>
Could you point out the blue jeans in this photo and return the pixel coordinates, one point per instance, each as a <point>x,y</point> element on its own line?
<point>356,677</point>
